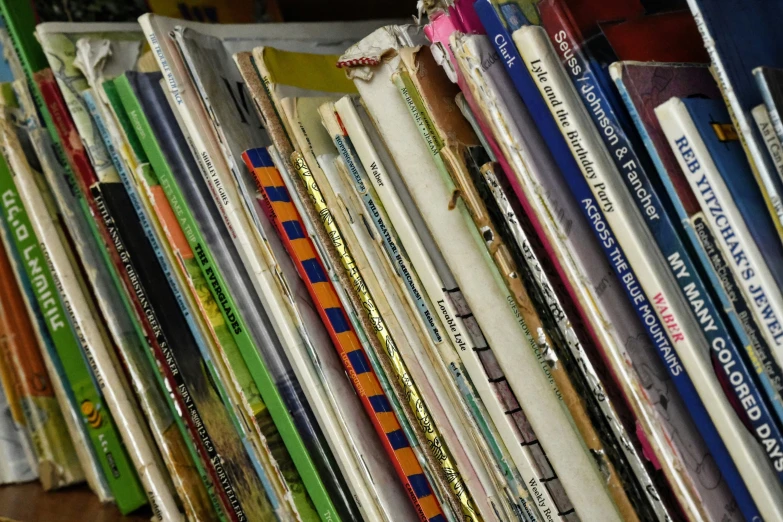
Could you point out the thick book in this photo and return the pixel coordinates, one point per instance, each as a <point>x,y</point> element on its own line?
<point>643,87</point>
<point>613,204</point>
<point>494,310</point>
<point>739,39</point>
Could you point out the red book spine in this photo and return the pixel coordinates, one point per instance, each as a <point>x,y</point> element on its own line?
<point>85,178</point>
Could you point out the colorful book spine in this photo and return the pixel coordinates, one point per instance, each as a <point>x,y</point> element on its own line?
<point>735,305</point>
<point>55,453</point>
<point>273,463</point>
<point>614,208</point>
<point>382,333</point>
<point>130,88</point>
<point>633,169</point>
<point>310,267</point>
<point>269,362</point>
<point>103,431</point>
<point>150,226</point>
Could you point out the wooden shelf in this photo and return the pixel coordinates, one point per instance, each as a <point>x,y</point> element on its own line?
<point>29,503</point>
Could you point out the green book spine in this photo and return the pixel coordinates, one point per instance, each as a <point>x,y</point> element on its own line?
<point>302,470</point>
<point>103,433</point>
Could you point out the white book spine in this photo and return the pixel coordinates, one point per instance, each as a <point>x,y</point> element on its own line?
<point>771,136</point>
<point>439,293</point>
<point>635,239</point>
<point>97,350</point>
<point>489,302</point>
<point>746,261</point>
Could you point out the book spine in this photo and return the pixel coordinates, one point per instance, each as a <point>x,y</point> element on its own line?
<point>770,135</point>
<point>158,344</point>
<point>310,267</point>
<point>292,414</point>
<point>54,303</point>
<point>761,358</point>
<point>54,450</point>
<point>290,455</point>
<point>382,332</point>
<point>770,187</point>
<point>506,273</point>
<point>131,194</point>
<point>614,212</point>
<point>87,460</point>
<point>769,101</point>
<point>189,476</point>
<point>737,308</point>
<point>474,357</point>
<point>632,168</point>
<point>723,217</point>
<point>743,323</point>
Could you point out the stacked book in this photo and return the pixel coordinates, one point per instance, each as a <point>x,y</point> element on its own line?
<point>515,261</point>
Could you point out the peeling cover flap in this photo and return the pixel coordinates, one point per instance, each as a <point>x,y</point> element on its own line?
<point>384,42</point>
<point>433,84</point>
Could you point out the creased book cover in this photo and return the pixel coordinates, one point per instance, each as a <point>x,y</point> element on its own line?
<point>497,414</point>
<point>452,138</point>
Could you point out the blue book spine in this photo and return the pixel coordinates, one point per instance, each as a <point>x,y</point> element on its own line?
<point>548,127</point>
<point>726,289</point>
<point>729,156</point>
<point>631,167</point>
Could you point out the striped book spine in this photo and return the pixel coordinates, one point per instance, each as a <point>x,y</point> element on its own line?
<point>289,225</point>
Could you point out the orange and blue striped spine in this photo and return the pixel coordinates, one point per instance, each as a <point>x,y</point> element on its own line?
<point>283,214</point>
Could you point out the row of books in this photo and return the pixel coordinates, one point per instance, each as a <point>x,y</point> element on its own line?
<point>514,261</point>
